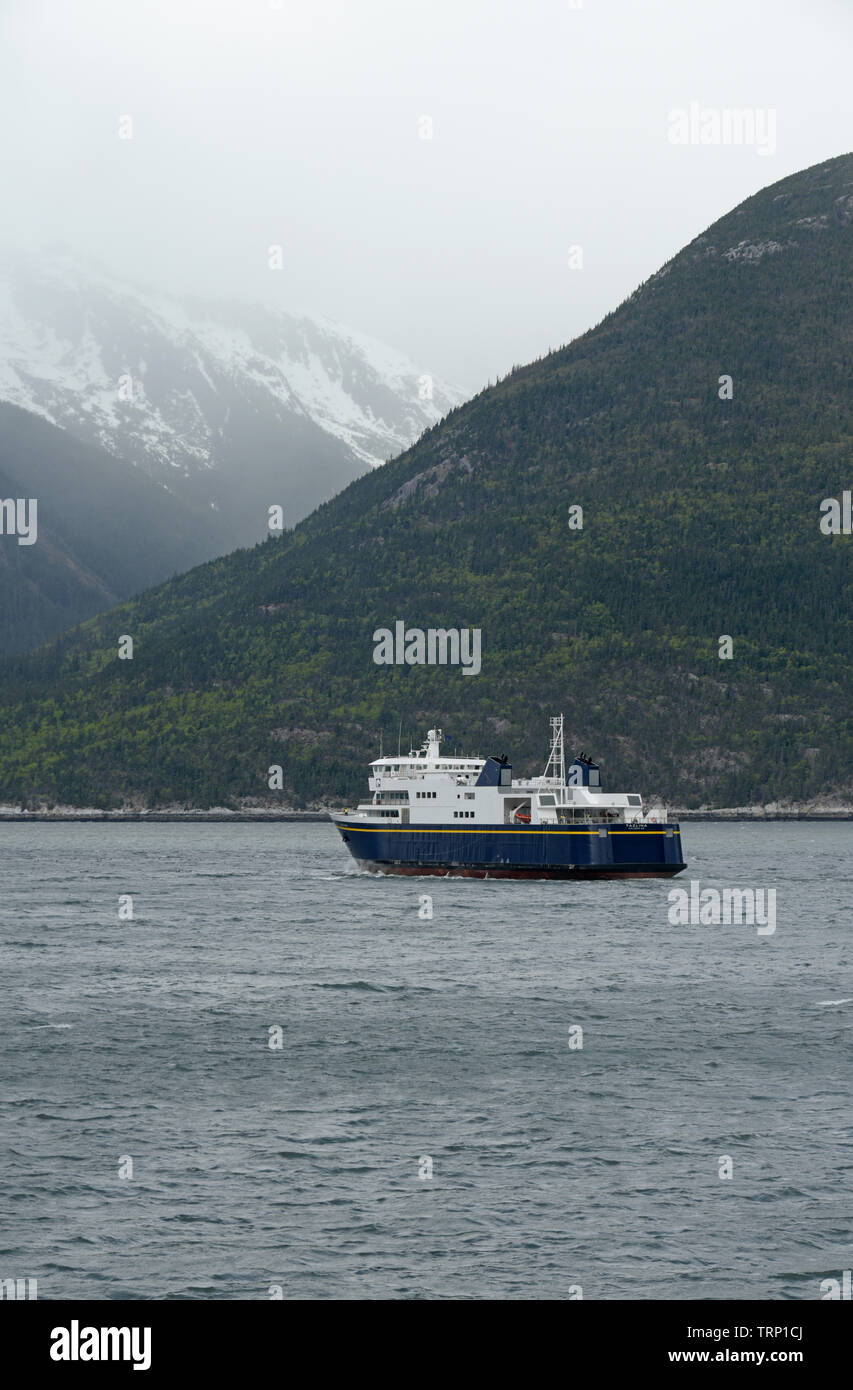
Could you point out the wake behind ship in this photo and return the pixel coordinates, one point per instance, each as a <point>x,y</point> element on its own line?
<point>431,814</point>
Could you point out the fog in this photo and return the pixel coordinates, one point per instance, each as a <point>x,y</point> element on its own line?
<point>259,123</point>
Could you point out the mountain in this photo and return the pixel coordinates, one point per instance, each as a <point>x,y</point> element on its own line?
<point>102,531</point>
<point>700,427</point>
<point>232,407</point>
<point>211,413</point>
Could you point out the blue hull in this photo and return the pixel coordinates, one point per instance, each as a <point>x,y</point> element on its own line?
<point>597,851</point>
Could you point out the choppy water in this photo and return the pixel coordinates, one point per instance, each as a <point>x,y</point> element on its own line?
<point>405,1038</point>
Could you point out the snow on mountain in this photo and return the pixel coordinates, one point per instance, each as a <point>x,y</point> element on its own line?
<point>236,405</point>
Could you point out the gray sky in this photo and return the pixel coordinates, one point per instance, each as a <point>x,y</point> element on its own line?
<point>296,122</point>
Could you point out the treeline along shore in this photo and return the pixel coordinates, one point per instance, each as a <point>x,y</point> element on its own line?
<point>13,815</point>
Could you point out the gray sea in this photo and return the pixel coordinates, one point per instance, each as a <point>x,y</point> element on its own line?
<point>243,1090</point>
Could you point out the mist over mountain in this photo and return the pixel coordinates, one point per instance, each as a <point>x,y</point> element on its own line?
<point>699,428</point>
<point>197,392</point>
<point>102,531</point>
<point>228,409</point>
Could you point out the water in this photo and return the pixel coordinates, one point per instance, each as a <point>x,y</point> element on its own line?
<point>406,1038</point>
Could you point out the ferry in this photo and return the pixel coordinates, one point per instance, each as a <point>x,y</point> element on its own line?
<point>433,813</point>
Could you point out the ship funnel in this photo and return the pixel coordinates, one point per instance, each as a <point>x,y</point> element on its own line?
<point>583,773</point>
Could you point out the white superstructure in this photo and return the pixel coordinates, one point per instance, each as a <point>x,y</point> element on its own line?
<point>427,787</point>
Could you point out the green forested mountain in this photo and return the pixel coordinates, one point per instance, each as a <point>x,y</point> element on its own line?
<point>701,519</point>
<point>103,531</point>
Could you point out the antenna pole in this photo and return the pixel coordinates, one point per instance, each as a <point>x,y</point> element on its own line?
<point>556,757</point>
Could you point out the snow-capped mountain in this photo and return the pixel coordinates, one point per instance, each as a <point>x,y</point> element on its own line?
<point>234,407</point>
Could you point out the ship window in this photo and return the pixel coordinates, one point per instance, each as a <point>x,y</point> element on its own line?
<point>635,800</point>
<point>469,796</point>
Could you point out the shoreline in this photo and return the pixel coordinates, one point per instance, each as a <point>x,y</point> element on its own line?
<point>8,817</point>
<point>13,816</point>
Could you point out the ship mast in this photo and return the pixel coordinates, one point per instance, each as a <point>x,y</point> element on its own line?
<point>556,757</point>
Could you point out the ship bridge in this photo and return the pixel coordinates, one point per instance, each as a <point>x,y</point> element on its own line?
<point>425,761</point>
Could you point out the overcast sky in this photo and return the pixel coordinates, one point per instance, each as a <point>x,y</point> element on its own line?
<point>299,123</point>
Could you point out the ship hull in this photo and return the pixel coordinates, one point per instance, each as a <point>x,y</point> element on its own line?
<point>599,851</point>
